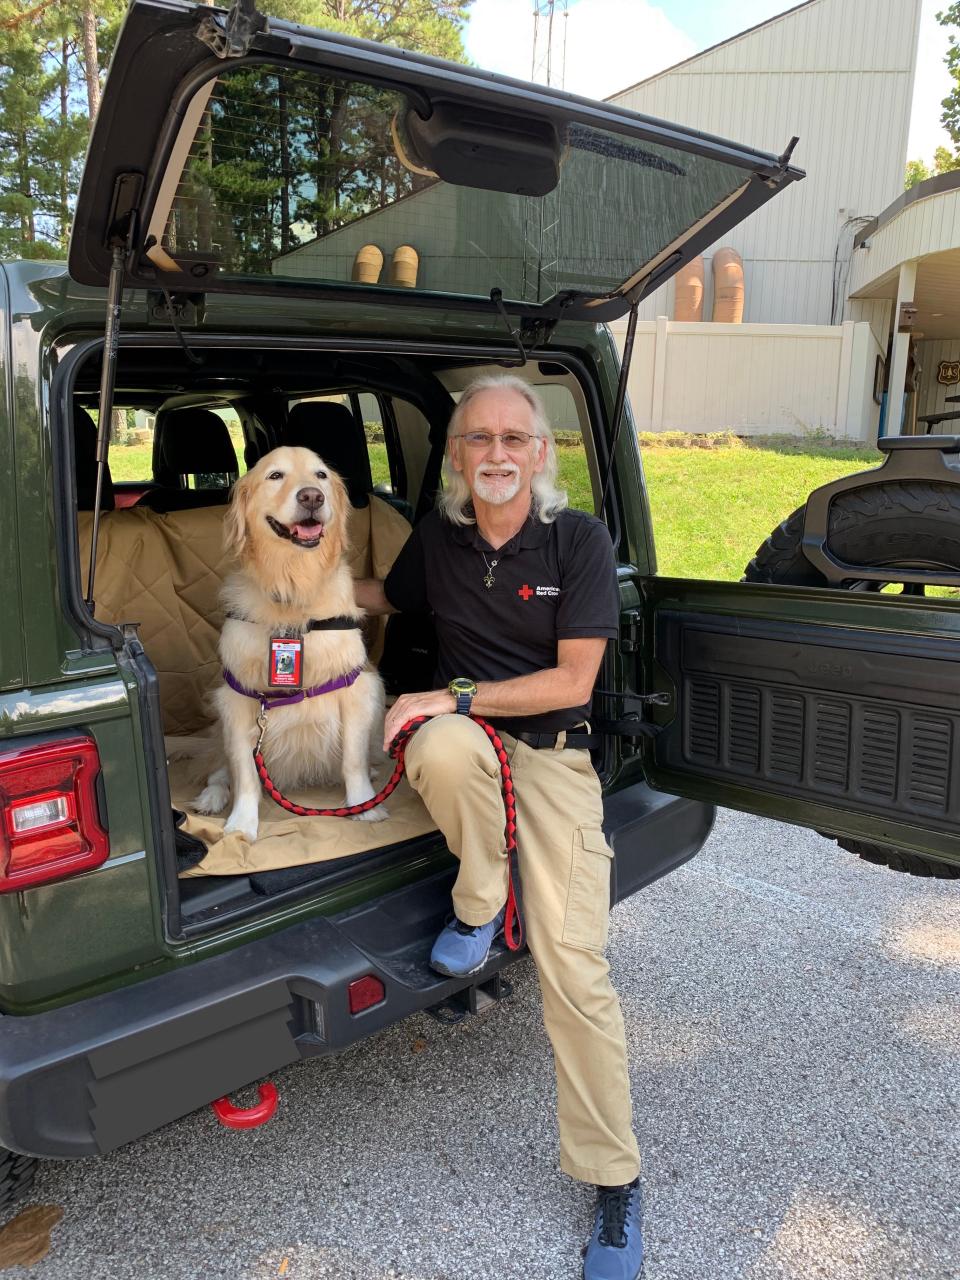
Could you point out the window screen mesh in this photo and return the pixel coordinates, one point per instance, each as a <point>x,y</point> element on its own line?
<point>292,174</point>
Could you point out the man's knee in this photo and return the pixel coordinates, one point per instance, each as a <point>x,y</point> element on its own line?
<point>449,747</point>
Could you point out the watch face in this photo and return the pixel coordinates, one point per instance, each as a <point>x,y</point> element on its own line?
<point>462,685</point>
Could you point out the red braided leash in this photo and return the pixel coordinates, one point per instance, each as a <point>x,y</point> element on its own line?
<point>513,924</point>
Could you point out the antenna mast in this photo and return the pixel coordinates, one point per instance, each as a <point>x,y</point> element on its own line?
<point>549,62</point>
<point>541,218</point>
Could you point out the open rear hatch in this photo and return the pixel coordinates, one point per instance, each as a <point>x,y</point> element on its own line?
<point>236,152</point>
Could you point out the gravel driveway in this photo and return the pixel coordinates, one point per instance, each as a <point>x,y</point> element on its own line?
<point>792,1017</point>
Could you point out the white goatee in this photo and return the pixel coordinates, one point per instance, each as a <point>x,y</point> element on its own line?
<point>497,492</point>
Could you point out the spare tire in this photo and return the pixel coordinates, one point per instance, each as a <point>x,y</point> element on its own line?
<point>16,1178</point>
<point>905,525</point>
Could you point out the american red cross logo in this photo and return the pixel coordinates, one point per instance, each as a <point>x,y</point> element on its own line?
<point>525,592</point>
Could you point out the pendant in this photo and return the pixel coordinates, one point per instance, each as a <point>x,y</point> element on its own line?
<point>488,580</point>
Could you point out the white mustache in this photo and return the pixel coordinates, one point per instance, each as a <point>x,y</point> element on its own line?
<point>508,468</point>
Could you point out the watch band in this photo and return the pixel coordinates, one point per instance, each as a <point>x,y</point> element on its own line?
<point>464,703</point>
<point>464,691</point>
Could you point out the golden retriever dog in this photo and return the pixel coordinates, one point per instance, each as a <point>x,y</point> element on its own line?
<point>287,528</point>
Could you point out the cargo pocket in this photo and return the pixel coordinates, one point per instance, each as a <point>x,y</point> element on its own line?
<point>587,911</point>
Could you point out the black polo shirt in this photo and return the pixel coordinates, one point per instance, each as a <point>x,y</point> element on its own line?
<point>552,582</point>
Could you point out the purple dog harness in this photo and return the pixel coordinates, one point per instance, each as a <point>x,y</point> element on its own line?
<point>289,699</point>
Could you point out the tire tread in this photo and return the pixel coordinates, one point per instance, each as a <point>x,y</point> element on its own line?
<point>16,1177</point>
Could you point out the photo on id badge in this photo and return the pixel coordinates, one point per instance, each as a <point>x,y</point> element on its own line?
<point>285,658</point>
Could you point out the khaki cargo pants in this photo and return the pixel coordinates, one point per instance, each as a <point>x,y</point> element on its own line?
<point>565,875</point>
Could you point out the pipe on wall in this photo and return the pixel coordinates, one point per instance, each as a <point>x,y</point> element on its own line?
<point>404,266</point>
<point>688,291</point>
<point>727,287</point>
<point>367,265</point>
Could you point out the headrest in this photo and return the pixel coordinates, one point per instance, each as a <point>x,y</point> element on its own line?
<point>332,431</point>
<point>85,461</point>
<point>193,441</point>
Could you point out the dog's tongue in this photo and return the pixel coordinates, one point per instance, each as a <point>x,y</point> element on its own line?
<point>307,532</point>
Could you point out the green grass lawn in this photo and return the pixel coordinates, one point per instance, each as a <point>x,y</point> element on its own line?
<point>711,507</point>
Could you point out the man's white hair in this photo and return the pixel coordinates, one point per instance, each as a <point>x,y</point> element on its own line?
<point>548,499</point>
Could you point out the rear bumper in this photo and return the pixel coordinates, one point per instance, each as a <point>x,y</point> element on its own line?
<point>86,1078</point>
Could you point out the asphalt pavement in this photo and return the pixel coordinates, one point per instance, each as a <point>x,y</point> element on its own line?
<point>793,1020</point>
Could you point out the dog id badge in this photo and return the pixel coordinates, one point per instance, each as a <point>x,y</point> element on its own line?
<point>286,660</point>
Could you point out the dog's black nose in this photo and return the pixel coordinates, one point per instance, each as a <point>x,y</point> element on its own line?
<point>310,498</point>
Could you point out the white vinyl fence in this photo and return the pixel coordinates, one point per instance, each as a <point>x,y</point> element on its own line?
<point>753,379</point>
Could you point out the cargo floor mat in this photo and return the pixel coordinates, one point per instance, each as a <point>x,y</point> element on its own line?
<point>285,840</point>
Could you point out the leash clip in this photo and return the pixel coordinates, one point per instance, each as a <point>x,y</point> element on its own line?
<point>262,726</point>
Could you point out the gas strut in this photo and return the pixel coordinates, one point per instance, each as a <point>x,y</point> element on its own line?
<point>620,398</point>
<point>107,379</point>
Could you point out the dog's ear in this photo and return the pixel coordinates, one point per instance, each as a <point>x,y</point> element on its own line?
<point>235,522</point>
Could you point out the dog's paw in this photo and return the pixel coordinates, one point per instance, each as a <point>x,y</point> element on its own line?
<point>249,832</point>
<point>243,821</point>
<point>213,798</point>
<point>379,814</point>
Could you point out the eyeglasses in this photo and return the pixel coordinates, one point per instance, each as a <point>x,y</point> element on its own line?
<point>483,439</point>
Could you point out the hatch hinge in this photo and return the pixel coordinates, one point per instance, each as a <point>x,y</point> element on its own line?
<point>631,631</point>
<point>172,308</point>
<point>535,331</point>
<point>233,37</point>
<point>124,207</point>
<point>183,308</point>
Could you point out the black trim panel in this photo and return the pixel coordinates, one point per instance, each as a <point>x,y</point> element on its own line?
<point>867,721</point>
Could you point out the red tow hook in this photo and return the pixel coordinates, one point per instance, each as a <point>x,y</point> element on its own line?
<point>247,1117</point>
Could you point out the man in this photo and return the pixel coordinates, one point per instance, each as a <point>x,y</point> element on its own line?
<point>524,597</point>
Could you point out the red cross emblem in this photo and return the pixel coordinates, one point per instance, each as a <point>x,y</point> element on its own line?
<point>525,592</point>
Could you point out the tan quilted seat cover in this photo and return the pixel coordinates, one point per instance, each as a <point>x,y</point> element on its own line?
<point>164,570</point>
<point>285,840</point>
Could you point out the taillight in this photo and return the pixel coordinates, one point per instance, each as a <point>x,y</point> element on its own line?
<point>364,993</point>
<point>49,817</point>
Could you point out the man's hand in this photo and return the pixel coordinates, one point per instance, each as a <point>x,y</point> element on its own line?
<point>369,595</point>
<point>409,705</point>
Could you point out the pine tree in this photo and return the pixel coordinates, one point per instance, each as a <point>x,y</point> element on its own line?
<point>300,159</point>
<point>27,186</point>
<point>46,83</point>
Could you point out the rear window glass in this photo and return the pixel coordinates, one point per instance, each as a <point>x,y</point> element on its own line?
<point>305,176</point>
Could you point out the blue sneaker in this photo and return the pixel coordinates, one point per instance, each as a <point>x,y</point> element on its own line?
<point>462,949</point>
<point>615,1251</point>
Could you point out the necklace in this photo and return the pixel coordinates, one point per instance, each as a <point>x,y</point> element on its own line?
<point>488,578</point>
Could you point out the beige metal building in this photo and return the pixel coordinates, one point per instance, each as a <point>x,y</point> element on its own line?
<point>837,73</point>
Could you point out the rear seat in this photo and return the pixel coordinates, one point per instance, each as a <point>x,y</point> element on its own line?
<point>164,570</point>
<point>191,442</point>
<point>331,431</point>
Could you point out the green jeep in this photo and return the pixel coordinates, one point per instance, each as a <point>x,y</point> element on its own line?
<point>248,184</point>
